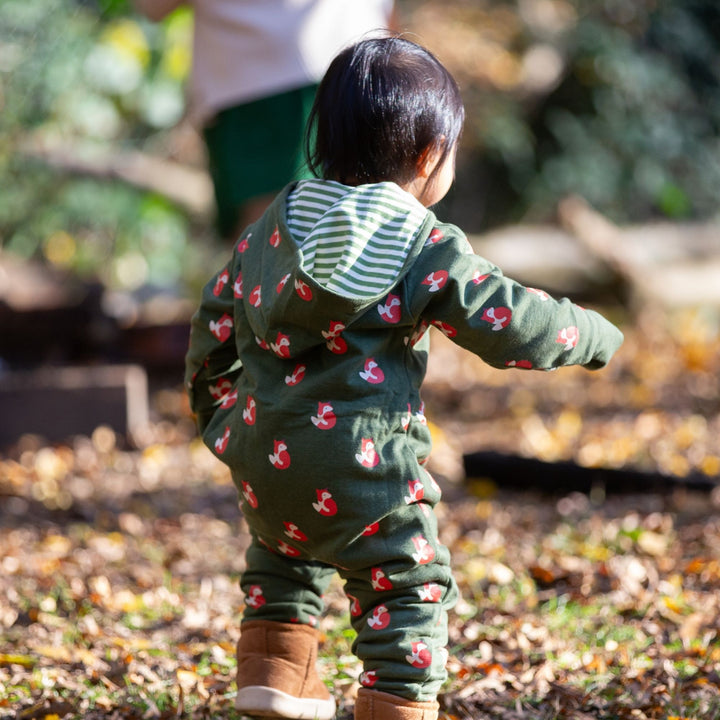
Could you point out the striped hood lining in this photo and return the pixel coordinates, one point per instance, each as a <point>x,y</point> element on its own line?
<point>354,241</point>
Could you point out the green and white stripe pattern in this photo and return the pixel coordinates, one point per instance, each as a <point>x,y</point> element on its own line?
<point>354,240</point>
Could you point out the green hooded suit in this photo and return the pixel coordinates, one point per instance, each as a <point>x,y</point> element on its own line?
<point>305,365</point>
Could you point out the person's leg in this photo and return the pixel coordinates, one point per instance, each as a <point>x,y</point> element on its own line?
<point>398,604</point>
<point>254,150</point>
<point>252,210</point>
<point>277,650</point>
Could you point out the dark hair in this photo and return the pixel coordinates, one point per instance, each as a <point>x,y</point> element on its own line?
<point>382,102</point>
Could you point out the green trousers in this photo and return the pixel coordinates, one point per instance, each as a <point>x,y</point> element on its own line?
<point>397,579</point>
<point>255,149</point>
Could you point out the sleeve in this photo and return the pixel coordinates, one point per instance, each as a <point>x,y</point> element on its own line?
<point>212,364</point>
<point>503,322</point>
<point>156,9</point>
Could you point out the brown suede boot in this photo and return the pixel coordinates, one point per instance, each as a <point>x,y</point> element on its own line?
<point>376,705</point>
<point>276,674</point>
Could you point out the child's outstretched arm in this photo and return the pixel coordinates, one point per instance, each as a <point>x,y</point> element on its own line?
<point>505,323</point>
<point>212,364</point>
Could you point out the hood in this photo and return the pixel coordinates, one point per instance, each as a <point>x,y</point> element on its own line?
<point>354,241</point>
<point>322,254</point>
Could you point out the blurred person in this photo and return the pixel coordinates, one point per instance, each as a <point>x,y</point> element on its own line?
<point>304,369</point>
<point>255,69</point>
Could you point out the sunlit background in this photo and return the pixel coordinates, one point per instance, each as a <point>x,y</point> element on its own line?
<point>120,551</point>
<point>99,173</point>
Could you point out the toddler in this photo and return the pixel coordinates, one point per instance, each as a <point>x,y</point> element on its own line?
<point>304,370</point>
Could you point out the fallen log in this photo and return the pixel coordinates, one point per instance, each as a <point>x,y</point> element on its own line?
<point>514,472</point>
<point>603,240</point>
<point>663,267</point>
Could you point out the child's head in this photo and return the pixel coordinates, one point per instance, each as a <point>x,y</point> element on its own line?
<point>382,107</point>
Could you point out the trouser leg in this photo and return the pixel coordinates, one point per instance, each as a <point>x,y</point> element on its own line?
<point>282,589</point>
<point>398,604</point>
<point>277,650</point>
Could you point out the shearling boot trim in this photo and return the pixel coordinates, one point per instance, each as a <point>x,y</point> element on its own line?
<point>376,705</point>
<point>276,673</point>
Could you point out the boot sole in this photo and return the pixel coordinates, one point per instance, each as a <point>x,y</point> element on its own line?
<point>269,702</point>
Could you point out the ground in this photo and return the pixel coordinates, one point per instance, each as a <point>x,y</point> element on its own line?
<point>119,564</point>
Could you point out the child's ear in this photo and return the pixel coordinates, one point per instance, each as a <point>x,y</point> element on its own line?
<point>421,165</point>
<point>428,160</point>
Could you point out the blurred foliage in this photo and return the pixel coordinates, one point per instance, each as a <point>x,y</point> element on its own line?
<point>634,126</point>
<point>89,75</point>
<point>618,101</point>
